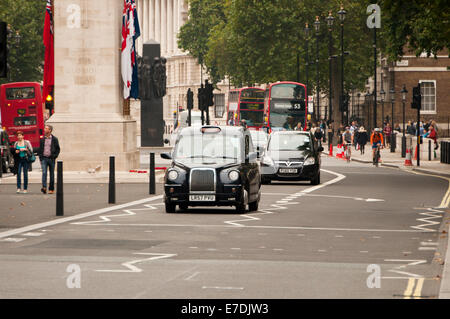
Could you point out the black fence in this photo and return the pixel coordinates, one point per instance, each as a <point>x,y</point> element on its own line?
<point>445,152</point>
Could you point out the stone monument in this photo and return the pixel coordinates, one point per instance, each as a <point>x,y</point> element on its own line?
<point>152,80</point>
<point>88,119</point>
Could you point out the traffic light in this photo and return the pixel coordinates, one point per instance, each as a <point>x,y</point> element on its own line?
<point>201,99</point>
<point>209,89</point>
<point>190,99</point>
<point>49,103</point>
<point>417,98</point>
<point>3,50</point>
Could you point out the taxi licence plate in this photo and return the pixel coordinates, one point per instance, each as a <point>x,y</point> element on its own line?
<point>202,198</point>
<point>288,170</point>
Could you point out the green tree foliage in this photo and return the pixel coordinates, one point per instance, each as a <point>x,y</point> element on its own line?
<point>194,35</point>
<point>26,50</point>
<point>257,41</point>
<point>416,25</point>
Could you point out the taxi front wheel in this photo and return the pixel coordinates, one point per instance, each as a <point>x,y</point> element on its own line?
<point>170,208</point>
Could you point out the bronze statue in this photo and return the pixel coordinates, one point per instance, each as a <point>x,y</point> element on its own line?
<point>159,77</point>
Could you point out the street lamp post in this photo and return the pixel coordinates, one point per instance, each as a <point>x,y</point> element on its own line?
<point>383,95</point>
<point>342,14</point>
<point>359,96</point>
<point>330,21</point>
<point>306,30</point>
<point>403,91</point>
<point>393,140</point>
<point>367,100</point>
<point>317,29</point>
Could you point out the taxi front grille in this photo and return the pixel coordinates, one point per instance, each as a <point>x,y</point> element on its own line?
<point>203,180</point>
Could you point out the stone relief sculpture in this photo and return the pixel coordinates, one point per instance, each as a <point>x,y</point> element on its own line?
<point>152,77</point>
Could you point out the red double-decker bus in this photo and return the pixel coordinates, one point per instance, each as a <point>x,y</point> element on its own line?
<point>22,109</point>
<point>246,104</point>
<point>285,105</point>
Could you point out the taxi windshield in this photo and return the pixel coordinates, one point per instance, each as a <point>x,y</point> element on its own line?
<point>219,146</point>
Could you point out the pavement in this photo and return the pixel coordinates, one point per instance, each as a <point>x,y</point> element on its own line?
<point>365,232</point>
<point>394,159</point>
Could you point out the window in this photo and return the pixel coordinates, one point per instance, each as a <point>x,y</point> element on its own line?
<point>428,92</point>
<point>20,93</point>
<point>25,121</point>
<point>219,105</point>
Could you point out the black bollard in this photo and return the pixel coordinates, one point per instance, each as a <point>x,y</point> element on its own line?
<point>403,146</point>
<point>59,190</point>
<point>429,150</point>
<point>112,181</point>
<point>392,142</point>
<point>152,174</point>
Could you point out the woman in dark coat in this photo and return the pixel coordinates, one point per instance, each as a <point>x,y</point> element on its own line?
<point>363,137</point>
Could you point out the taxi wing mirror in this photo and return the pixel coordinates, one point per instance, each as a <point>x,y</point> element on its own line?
<point>166,156</point>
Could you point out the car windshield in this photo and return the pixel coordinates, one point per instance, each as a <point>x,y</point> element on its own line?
<point>219,146</point>
<point>289,142</point>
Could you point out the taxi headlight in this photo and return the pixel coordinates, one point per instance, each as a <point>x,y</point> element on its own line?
<point>310,161</point>
<point>172,175</point>
<point>233,176</point>
<point>268,161</point>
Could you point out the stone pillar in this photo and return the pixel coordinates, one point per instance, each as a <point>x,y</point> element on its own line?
<point>88,116</point>
<point>157,21</point>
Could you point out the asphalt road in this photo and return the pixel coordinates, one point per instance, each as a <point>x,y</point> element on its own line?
<point>304,242</point>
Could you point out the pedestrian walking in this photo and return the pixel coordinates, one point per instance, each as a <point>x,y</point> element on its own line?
<point>48,153</point>
<point>23,151</point>
<point>362,139</point>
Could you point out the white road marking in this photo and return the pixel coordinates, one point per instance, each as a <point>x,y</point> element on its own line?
<point>269,227</point>
<point>13,240</point>
<point>224,288</point>
<point>131,264</point>
<point>409,262</point>
<point>127,212</point>
<point>424,243</point>
<point>427,248</point>
<point>278,207</point>
<point>432,214</point>
<point>76,217</point>
<point>192,276</point>
<point>235,248</point>
<point>33,234</point>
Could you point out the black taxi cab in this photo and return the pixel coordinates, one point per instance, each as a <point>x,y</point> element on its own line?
<point>291,156</point>
<point>212,166</point>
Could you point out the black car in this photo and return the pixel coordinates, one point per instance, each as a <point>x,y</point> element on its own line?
<point>6,157</point>
<point>291,156</point>
<point>212,166</point>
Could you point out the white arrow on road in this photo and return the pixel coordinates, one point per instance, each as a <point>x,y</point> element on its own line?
<point>131,264</point>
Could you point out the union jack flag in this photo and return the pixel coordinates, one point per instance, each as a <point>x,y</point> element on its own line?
<point>49,63</point>
<point>130,32</point>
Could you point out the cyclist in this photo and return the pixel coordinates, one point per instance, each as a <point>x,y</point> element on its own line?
<point>347,140</point>
<point>376,139</point>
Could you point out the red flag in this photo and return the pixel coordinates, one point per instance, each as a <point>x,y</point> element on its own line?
<point>49,64</point>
